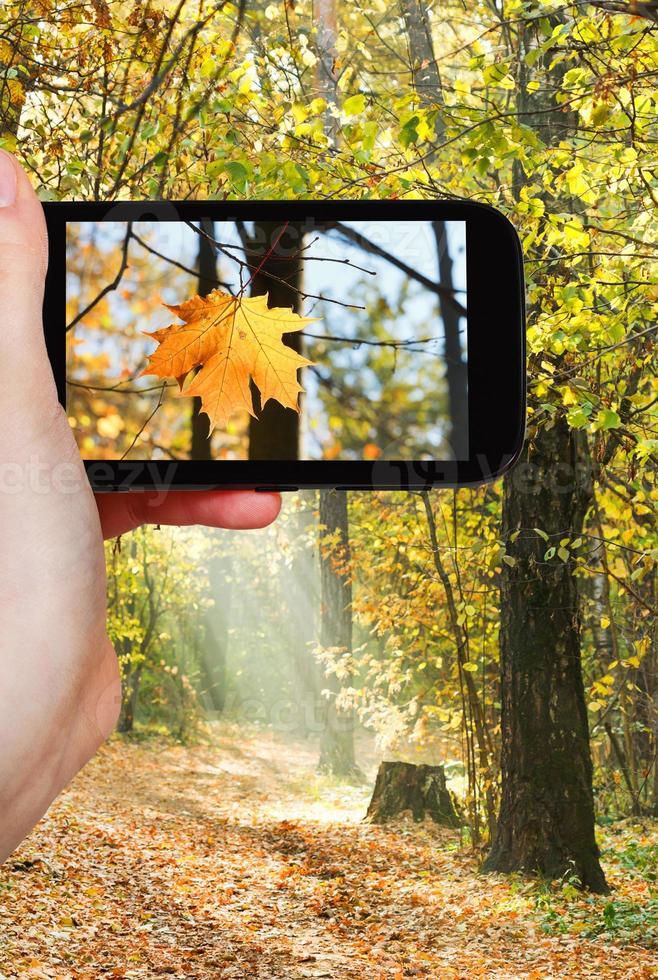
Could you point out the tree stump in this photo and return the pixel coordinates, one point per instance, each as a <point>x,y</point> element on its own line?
<point>401,786</point>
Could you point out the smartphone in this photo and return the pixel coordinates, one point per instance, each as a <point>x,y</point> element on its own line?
<point>288,344</point>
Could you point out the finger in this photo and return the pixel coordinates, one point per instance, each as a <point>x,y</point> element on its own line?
<point>26,374</point>
<point>121,512</point>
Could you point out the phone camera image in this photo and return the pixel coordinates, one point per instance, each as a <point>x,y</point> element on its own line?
<point>236,339</point>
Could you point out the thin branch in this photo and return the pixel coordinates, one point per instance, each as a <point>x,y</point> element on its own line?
<point>110,286</point>
<point>365,243</point>
<point>647,10</point>
<point>270,275</point>
<point>408,345</point>
<point>117,390</point>
<point>146,422</point>
<point>178,265</point>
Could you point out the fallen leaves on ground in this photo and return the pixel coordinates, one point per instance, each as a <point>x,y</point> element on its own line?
<point>236,860</point>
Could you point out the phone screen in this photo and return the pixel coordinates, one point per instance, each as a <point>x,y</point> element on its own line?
<point>238,339</point>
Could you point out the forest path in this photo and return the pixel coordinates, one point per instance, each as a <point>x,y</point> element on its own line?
<point>236,860</point>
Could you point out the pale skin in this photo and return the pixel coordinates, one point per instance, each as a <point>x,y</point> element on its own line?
<point>60,691</point>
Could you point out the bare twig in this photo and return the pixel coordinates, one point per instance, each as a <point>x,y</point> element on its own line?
<point>368,246</point>
<point>146,422</point>
<point>178,265</point>
<point>110,286</point>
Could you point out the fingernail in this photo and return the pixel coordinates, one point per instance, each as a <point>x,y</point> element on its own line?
<point>7,180</point>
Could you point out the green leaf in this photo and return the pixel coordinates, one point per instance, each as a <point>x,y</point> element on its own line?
<point>354,105</point>
<point>409,132</point>
<point>215,167</point>
<point>237,174</point>
<point>607,419</point>
<point>295,177</point>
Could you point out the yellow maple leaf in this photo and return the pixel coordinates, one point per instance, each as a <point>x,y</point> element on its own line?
<point>232,340</point>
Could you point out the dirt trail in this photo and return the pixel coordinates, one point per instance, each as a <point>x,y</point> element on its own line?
<point>236,860</point>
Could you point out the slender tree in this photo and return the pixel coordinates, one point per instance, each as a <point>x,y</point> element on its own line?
<point>422,59</point>
<point>453,351</point>
<point>337,735</point>
<point>429,92</point>
<point>215,634</point>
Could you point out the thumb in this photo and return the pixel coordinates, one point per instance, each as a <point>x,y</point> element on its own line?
<point>26,380</point>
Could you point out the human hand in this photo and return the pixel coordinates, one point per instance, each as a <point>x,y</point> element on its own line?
<point>59,680</point>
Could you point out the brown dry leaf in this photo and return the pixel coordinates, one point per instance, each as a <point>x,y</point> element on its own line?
<point>234,340</point>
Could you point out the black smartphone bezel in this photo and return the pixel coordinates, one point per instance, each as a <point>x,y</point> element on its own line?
<point>496,349</point>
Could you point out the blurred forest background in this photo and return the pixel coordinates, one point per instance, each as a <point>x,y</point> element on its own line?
<point>505,635</point>
<point>387,337</point>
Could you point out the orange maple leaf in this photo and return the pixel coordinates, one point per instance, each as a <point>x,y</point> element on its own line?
<point>232,340</point>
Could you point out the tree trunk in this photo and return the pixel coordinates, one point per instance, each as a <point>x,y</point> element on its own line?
<point>326,78</point>
<point>301,622</point>
<point>337,734</point>
<point>129,706</point>
<point>422,60</point>
<point>213,668</point>
<point>200,447</point>
<point>216,635</point>
<point>403,787</point>
<point>130,684</point>
<point>546,821</point>
<point>456,367</point>
<point>427,84</point>
<point>274,433</point>
<point>12,91</point>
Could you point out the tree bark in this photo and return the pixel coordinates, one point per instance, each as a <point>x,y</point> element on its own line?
<point>402,787</point>
<point>337,733</point>
<point>546,821</point>
<point>274,433</point>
